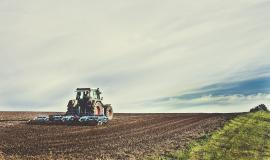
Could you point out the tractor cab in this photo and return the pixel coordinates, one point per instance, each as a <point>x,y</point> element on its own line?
<point>88,93</point>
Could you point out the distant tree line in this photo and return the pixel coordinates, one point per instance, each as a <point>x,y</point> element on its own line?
<point>261,107</point>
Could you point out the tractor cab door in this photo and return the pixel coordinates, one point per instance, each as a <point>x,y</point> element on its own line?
<point>93,96</point>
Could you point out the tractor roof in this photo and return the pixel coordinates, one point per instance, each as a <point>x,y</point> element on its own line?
<point>84,89</point>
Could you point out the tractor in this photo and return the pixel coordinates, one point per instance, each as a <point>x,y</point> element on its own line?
<point>88,107</point>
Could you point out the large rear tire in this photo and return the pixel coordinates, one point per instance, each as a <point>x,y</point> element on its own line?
<point>98,110</point>
<point>108,111</point>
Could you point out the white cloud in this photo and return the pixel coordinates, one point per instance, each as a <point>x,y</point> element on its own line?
<point>230,103</point>
<point>231,99</point>
<point>132,50</point>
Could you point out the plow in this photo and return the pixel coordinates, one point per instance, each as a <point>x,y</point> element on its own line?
<point>87,109</point>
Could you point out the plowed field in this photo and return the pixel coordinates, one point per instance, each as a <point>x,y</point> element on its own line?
<point>127,136</point>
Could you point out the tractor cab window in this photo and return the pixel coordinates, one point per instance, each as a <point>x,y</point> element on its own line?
<point>93,94</point>
<point>86,94</point>
<point>79,95</point>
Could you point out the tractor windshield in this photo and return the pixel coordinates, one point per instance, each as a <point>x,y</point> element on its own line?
<point>79,95</point>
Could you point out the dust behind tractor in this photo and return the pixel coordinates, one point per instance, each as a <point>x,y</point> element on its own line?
<point>88,108</point>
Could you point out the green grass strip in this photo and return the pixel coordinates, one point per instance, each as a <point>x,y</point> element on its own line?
<point>246,137</point>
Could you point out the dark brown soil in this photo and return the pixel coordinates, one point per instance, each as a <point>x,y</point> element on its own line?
<point>127,136</point>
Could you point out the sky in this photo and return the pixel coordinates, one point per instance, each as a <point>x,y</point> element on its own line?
<point>145,55</point>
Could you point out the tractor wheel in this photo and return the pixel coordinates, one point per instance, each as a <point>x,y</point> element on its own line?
<point>98,109</point>
<point>108,111</point>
